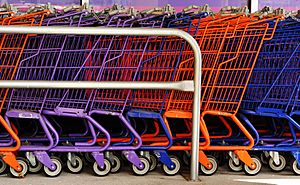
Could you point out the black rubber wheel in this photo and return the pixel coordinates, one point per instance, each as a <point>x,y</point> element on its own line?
<point>186,159</point>
<point>153,162</point>
<point>116,164</point>
<point>3,166</point>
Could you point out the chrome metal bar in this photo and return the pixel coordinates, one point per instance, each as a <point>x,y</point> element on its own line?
<point>85,3</point>
<point>35,84</point>
<point>129,32</point>
<point>253,5</point>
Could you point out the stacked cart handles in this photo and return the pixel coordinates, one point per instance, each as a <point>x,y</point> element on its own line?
<point>104,127</point>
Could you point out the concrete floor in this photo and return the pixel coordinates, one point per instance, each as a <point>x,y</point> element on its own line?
<point>223,177</point>
<point>266,176</point>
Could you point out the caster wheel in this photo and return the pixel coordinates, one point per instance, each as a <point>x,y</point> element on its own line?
<point>25,168</point>
<point>264,159</point>
<point>3,166</point>
<point>186,159</point>
<point>54,173</point>
<point>102,171</point>
<point>77,167</point>
<point>116,164</point>
<point>213,169</point>
<point>257,168</point>
<point>222,159</point>
<point>175,169</point>
<point>235,167</point>
<point>88,158</point>
<point>280,167</point>
<point>35,168</point>
<point>295,167</point>
<point>145,170</point>
<point>153,163</point>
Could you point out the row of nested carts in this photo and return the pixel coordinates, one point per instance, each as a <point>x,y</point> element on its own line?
<point>249,104</point>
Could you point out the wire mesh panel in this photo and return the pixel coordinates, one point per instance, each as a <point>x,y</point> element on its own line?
<point>272,86</point>
<point>47,57</point>
<point>211,37</point>
<point>85,65</point>
<point>110,58</point>
<point>162,64</point>
<point>77,58</point>
<point>121,62</point>
<point>229,76</point>
<point>223,42</point>
<point>295,108</point>
<point>12,47</point>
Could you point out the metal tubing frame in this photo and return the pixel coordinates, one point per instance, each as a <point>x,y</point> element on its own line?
<point>184,85</point>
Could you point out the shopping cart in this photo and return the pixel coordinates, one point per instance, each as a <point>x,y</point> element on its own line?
<point>12,46</point>
<point>272,93</point>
